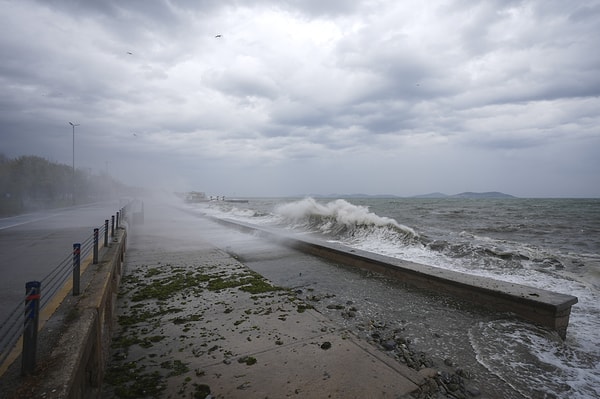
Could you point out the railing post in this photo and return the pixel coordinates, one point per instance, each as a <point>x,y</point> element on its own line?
<point>95,259</point>
<point>117,220</point>
<point>76,267</point>
<point>32,308</point>
<point>112,226</point>
<point>106,232</point>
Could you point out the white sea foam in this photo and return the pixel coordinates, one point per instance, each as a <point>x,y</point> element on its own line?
<point>535,361</point>
<point>227,210</point>
<point>338,212</point>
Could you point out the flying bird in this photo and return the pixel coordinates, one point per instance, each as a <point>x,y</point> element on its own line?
<point>217,36</point>
<point>130,53</point>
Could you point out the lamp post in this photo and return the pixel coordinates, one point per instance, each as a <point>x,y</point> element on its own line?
<point>73,125</point>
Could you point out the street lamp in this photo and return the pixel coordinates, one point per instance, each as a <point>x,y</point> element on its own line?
<point>73,125</point>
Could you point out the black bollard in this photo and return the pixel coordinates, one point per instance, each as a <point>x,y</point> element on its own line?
<point>95,258</point>
<point>32,308</point>
<point>112,226</point>
<point>106,233</point>
<point>76,267</point>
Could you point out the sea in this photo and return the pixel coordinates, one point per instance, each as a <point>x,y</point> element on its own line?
<point>553,244</point>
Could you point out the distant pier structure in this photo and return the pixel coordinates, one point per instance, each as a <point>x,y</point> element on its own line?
<point>198,196</point>
<point>195,196</point>
<point>222,198</point>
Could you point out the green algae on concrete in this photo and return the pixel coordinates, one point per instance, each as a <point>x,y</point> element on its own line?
<point>151,293</point>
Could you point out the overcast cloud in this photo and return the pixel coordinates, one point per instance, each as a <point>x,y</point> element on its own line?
<point>298,97</point>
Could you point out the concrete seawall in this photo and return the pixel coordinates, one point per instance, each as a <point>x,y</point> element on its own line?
<point>76,363</point>
<point>542,307</point>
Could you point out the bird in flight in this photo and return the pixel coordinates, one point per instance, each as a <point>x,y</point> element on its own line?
<point>130,53</point>
<point>217,36</point>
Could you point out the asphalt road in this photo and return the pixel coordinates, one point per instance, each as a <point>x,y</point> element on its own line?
<point>32,245</point>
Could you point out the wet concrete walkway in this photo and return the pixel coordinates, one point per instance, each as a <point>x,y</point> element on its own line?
<point>193,320</point>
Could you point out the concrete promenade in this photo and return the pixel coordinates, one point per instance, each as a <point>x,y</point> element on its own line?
<point>193,320</point>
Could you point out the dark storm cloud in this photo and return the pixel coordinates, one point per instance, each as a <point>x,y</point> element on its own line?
<point>297,86</point>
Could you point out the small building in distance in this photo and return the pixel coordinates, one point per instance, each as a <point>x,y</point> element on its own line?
<point>195,196</point>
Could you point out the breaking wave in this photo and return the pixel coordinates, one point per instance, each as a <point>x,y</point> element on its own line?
<point>341,220</point>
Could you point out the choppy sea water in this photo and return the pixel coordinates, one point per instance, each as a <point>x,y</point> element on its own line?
<point>547,243</point>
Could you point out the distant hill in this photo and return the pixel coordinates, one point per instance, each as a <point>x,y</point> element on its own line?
<point>468,194</point>
<point>431,195</point>
<point>353,196</point>
<point>490,194</point>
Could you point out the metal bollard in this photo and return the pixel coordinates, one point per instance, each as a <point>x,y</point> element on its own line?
<point>117,220</point>
<point>112,226</point>
<point>76,267</point>
<point>106,233</point>
<point>95,258</point>
<point>32,308</point>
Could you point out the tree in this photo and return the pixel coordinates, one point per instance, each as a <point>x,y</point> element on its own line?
<point>30,183</point>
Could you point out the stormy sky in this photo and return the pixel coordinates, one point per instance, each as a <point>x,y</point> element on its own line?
<point>300,97</point>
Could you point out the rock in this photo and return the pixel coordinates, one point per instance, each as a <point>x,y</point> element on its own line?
<point>473,391</point>
<point>326,345</point>
<point>453,387</point>
<point>389,345</point>
<point>249,360</point>
<point>463,373</point>
<point>401,340</point>
<point>445,377</point>
<point>448,362</point>
<point>379,324</point>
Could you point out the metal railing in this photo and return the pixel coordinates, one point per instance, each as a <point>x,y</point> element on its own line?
<point>23,320</point>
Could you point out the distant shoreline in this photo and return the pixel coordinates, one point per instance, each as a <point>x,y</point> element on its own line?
<point>436,195</point>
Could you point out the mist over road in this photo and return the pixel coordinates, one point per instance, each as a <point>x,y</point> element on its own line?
<point>31,245</point>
